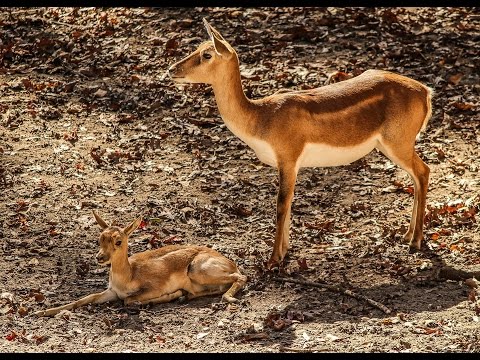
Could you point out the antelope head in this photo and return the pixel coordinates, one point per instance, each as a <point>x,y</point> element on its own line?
<point>113,239</point>
<point>210,63</point>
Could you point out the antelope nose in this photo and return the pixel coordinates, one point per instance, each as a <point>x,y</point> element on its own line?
<point>100,258</point>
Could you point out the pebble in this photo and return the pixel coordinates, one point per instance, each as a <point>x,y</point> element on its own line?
<point>431,323</point>
<point>201,335</point>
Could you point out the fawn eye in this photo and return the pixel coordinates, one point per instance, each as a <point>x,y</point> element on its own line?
<point>207,56</point>
<point>118,243</point>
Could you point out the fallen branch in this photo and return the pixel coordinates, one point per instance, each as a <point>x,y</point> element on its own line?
<point>337,289</point>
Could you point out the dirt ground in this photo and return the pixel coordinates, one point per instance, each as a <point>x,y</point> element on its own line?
<point>87,122</point>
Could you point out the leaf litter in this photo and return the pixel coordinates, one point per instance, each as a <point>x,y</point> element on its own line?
<point>89,122</point>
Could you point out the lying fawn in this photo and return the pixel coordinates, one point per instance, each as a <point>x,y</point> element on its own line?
<point>327,126</point>
<point>160,275</point>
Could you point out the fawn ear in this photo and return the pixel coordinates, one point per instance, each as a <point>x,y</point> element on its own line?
<point>100,221</point>
<point>222,47</point>
<point>132,227</point>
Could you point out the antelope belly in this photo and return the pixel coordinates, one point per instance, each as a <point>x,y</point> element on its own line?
<point>326,155</point>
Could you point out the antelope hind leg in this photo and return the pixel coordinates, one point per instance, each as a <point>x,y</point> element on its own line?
<point>409,161</point>
<point>420,177</point>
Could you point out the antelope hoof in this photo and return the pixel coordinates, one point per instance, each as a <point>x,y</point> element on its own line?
<point>48,312</point>
<point>229,299</point>
<point>408,237</point>
<point>414,246</point>
<point>182,299</point>
<point>131,303</point>
<point>40,313</point>
<point>412,249</point>
<point>273,263</point>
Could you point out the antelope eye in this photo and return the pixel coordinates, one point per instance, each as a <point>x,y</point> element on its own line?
<point>207,56</point>
<point>118,243</point>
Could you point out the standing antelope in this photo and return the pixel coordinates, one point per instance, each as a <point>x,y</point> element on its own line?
<point>327,126</point>
<point>158,276</point>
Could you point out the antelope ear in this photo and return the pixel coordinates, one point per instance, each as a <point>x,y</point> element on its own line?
<point>212,31</point>
<point>133,226</point>
<point>100,221</point>
<point>222,47</point>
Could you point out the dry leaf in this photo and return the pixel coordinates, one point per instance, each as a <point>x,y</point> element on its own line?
<point>22,311</point>
<point>463,106</point>
<point>473,283</point>
<point>455,79</point>
<point>100,93</point>
<point>201,335</point>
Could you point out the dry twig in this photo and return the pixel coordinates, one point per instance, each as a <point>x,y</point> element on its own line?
<point>83,27</point>
<point>286,349</point>
<point>337,289</point>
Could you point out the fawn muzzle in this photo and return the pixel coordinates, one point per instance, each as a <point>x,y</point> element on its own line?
<point>172,71</point>
<point>101,258</point>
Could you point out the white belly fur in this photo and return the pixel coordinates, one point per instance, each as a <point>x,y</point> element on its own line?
<point>264,151</point>
<point>326,155</point>
<point>313,155</point>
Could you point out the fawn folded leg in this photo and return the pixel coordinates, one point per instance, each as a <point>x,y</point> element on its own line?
<point>152,298</point>
<point>205,291</point>
<point>238,283</point>
<point>98,298</point>
<point>213,275</point>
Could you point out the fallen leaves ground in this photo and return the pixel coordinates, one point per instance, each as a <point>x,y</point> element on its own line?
<point>88,123</point>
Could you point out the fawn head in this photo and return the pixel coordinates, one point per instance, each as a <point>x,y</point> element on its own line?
<point>113,240</point>
<point>208,63</point>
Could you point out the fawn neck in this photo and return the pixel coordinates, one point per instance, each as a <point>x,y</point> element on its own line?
<point>236,110</point>
<point>120,268</point>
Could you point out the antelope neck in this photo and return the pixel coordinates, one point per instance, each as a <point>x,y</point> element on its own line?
<point>236,110</point>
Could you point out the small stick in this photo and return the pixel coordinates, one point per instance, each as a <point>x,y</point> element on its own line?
<point>83,27</point>
<point>284,348</point>
<point>338,289</point>
<point>26,12</point>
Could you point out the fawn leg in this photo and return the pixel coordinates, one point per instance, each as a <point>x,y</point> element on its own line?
<point>97,298</point>
<point>152,298</point>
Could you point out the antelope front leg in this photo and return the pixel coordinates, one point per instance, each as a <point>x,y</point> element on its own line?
<point>98,298</point>
<point>149,298</point>
<point>287,179</point>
